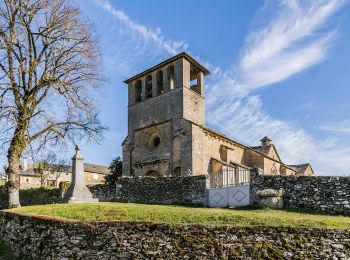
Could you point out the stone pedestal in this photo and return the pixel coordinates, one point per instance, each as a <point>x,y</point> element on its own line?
<point>271,198</point>
<point>78,192</point>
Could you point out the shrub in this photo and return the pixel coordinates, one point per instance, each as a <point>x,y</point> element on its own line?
<point>40,196</point>
<point>116,168</point>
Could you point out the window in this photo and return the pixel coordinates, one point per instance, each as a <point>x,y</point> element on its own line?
<point>193,85</point>
<point>154,140</point>
<point>160,88</point>
<point>138,91</point>
<point>170,72</point>
<point>223,153</point>
<point>196,80</point>
<point>148,86</point>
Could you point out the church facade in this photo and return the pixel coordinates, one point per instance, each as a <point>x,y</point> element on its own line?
<point>167,135</point>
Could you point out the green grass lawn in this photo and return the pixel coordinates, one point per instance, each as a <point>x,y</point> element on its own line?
<point>186,215</point>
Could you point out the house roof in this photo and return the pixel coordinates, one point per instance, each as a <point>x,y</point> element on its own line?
<point>88,167</point>
<point>180,55</point>
<point>94,168</point>
<point>301,168</point>
<point>29,172</point>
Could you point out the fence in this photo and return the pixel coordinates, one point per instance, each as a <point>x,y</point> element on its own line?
<point>229,176</point>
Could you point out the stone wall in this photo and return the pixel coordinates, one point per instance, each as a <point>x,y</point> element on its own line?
<point>318,193</point>
<point>163,190</point>
<point>30,197</point>
<point>43,238</point>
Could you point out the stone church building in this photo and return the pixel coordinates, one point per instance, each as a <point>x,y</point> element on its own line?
<point>167,135</point>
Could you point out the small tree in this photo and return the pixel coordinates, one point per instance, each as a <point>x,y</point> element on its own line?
<point>48,62</point>
<point>116,168</point>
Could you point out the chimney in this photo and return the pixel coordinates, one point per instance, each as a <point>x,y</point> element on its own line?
<point>265,141</point>
<point>25,164</point>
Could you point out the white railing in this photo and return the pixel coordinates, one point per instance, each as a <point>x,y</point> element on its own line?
<point>229,176</point>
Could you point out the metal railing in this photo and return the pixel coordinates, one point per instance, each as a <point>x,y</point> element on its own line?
<point>229,176</point>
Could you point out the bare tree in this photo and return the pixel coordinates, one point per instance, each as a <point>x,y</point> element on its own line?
<point>49,62</point>
<point>50,168</point>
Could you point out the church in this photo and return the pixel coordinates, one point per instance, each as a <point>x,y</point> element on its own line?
<point>167,135</point>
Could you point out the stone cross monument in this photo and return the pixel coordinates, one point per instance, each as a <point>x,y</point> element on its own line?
<point>78,192</point>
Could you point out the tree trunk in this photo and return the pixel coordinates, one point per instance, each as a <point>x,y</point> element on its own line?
<point>13,184</point>
<point>14,153</point>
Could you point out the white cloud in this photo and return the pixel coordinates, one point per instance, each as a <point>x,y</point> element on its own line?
<point>343,127</point>
<point>245,118</point>
<point>147,33</point>
<point>292,40</point>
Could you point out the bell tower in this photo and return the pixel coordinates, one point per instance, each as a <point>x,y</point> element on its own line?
<point>163,102</point>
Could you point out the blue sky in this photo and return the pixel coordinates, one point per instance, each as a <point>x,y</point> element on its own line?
<point>278,68</point>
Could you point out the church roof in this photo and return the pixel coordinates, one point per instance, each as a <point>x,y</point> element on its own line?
<point>265,149</point>
<point>180,55</point>
<point>260,149</point>
<point>240,144</point>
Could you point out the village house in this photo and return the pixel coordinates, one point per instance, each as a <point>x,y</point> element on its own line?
<point>53,175</point>
<point>167,135</point>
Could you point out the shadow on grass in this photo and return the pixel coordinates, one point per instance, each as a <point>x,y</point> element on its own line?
<point>292,210</point>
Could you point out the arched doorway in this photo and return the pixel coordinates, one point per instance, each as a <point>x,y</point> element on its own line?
<point>153,173</point>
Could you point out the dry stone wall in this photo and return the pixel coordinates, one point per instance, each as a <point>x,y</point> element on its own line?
<point>163,190</point>
<point>318,193</point>
<point>40,238</point>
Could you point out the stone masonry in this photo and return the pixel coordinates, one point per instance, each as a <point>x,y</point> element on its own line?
<point>318,193</point>
<point>77,191</point>
<point>167,135</point>
<point>163,190</point>
<point>45,238</point>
